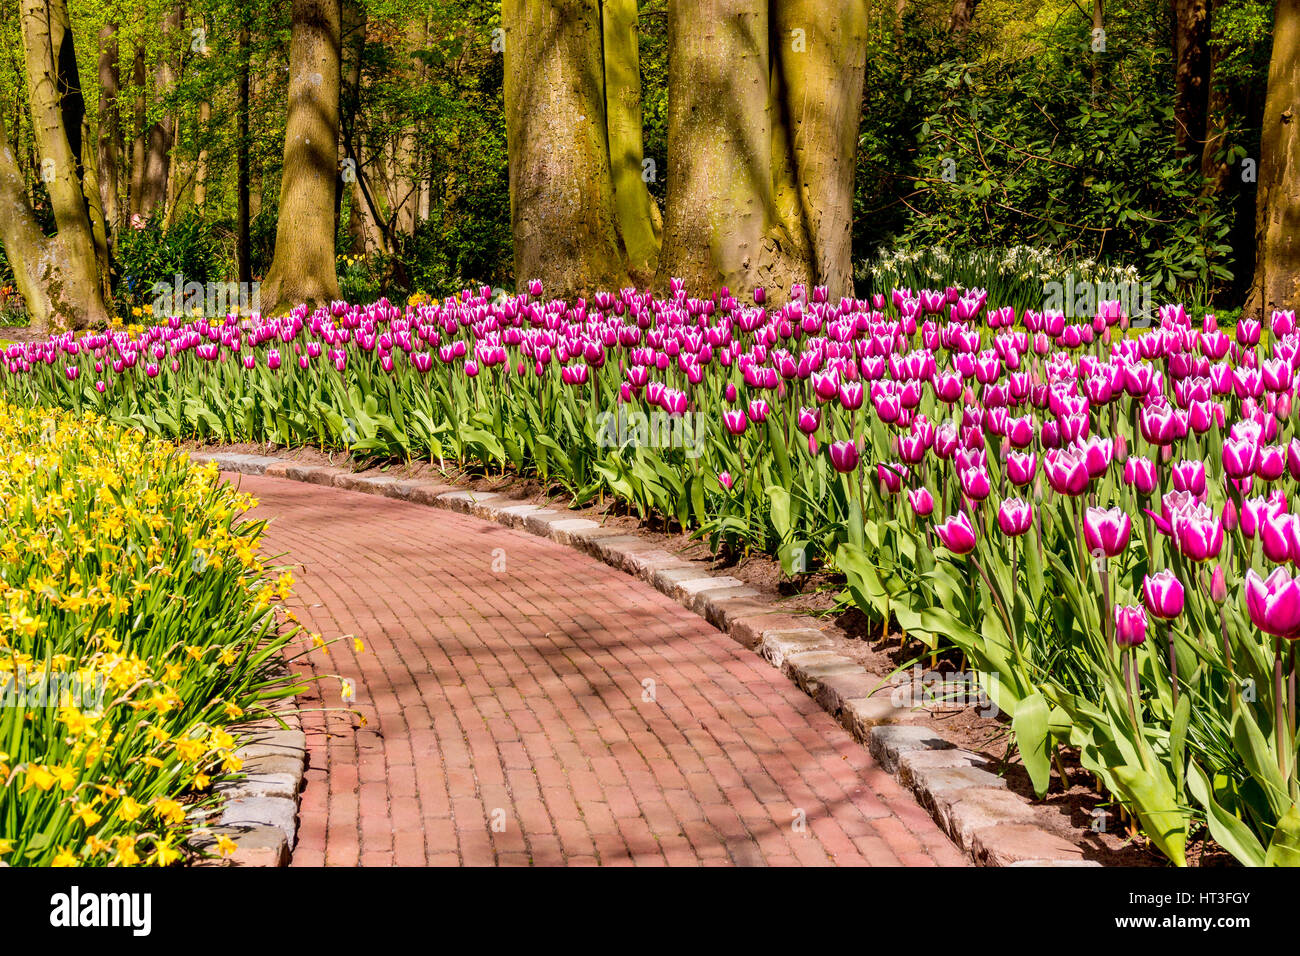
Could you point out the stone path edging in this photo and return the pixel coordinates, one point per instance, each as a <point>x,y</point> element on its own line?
<point>259,810</point>
<point>993,826</point>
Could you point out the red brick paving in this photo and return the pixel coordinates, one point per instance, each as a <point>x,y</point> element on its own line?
<point>506,719</point>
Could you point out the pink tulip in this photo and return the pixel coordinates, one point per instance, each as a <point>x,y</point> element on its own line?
<point>1015,517</point>
<point>957,534</point>
<point>1140,473</point>
<point>1163,594</point>
<point>1218,586</point>
<point>71,372</point>
<point>736,421</point>
<point>1130,625</point>
<point>1199,533</point>
<point>1106,530</point>
<point>922,502</point>
<point>1274,603</point>
<point>1188,476</point>
<point>1067,472</point>
<point>724,479</point>
<point>758,411</point>
<point>1271,462</point>
<point>975,482</point>
<point>1277,534</point>
<point>891,476</point>
<point>844,456</point>
<point>1239,456</point>
<point>1021,467</point>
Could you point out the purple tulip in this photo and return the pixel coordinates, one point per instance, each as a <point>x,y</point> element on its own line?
<point>1067,471</point>
<point>1106,530</point>
<point>922,502</point>
<point>1021,467</point>
<point>1274,603</point>
<point>957,534</point>
<point>1163,594</point>
<point>1188,476</point>
<point>1140,473</point>
<point>975,482</point>
<point>1015,517</point>
<point>844,456</point>
<point>1130,625</point>
<point>1198,532</point>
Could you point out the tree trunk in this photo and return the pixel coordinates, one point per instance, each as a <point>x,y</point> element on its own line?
<point>303,270</point>
<point>201,164</point>
<point>1217,110</point>
<point>719,207</point>
<point>162,135</point>
<point>243,241</point>
<point>1191,43</point>
<point>110,131</point>
<point>1277,221</point>
<point>30,253</point>
<point>762,137</point>
<point>821,104</point>
<point>139,144</point>
<point>561,191</point>
<point>639,221</point>
<point>406,166</point>
<point>963,14</point>
<point>68,266</point>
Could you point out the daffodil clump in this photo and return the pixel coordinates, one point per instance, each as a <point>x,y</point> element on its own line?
<point>137,624</point>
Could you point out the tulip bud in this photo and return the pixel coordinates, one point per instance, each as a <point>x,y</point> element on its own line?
<point>1218,586</point>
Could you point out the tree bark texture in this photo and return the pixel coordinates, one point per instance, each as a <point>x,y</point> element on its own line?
<point>303,269</point>
<point>562,207</point>
<point>763,109</point>
<point>67,265</point>
<point>1191,48</point>
<point>1277,220</point>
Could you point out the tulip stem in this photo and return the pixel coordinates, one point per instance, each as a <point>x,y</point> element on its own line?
<point>1278,708</point>
<point>1227,656</point>
<point>1173,663</point>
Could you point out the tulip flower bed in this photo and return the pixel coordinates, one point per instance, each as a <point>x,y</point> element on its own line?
<point>1099,522</point>
<point>136,626</point>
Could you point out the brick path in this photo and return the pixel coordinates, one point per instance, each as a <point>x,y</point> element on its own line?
<point>506,713</point>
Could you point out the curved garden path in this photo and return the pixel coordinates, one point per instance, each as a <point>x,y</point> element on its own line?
<point>510,718</point>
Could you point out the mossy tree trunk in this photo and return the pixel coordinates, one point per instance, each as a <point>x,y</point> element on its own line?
<point>1277,219</point>
<point>303,268</point>
<point>763,108</point>
<point>61,277</point>
<point>562,209</point>
<point>111,152</point>
<point>639,221</point>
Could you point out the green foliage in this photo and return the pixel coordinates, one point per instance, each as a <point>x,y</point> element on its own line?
<point>149,254</point>
<point>1006,141</point>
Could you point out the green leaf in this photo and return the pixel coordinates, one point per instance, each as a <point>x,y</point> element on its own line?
<point>1284,849</point>
<point>1030,725</point>
<point>1228,831</point>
